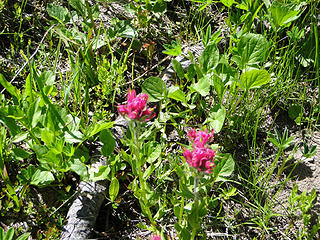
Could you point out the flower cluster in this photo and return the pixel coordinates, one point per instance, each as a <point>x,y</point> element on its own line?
<point>135,107</point>
<point>201,157</point>
<point>156,237</point>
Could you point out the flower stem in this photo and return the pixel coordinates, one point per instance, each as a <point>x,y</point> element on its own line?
<point>139,165</point>
<point>196,204</point>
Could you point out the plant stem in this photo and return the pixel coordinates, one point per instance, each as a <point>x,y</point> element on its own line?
<point>196,204</point>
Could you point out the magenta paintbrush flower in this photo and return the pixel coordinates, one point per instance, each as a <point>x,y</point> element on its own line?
<point>156,237</point>
<point>201,157</point>
<point>136,107</point>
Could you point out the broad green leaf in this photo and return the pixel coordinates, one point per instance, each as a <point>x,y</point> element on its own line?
<point>173,49</point>
<point>224,167</point>
<point>159,7</point>
<point>101,174</point>
<point>202,86</point>
<point>47,136</point>
<point>154,87</point>
<point>58,12</point>
<point>14,92</point>
<point>209,58</point>
<point>42,178</point>
<point>178,68</point>
<point>216,117</point>
<point>80,6</point>
<point>227,3</point>
<point>20,153</point>
<point>47,78</point>
<point>175,93</point>
<point>74,136</point>
<point>108,141</point>
<point>114,189</point>
<point>282,14</point>
<point>254,79</point>
<point>34,113</point>
<point>79,168</point>
<point>97,127</point>
<point>294,111</point>
<point>251,50</point>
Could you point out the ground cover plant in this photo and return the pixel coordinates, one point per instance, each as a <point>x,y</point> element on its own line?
<point>223,147</point>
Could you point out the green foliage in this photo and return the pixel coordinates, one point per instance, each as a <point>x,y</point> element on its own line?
<point>261,63</point>
<point>9,235</point>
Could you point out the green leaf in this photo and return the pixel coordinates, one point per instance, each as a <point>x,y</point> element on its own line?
<point>149,171</point>
<point>202,86</point>
<point>9,234</point>
<point>294,111</point>
<point>175,93</point>
<point>251,50</point>
<point>79,168</point>
<point>114,189</point>
<point>58,12</point>
<point>173,49</point>
<point>154,87</point>
<point>25,175</point>
<point>282,14</point>
<point>224,167</point>
<point>152,151</point>
<point>97,127</point>
<point>227,3</point>
<point>42,178</point>
<point>108,141</point>
<point>102,174</point>
<point>178,68</point>
<point>14,92</point>
<point>20,153</point>
<point>79,6</point>
<point>23,236</point>
<point>34,113</point>
<point>209,58</point>
<point>254,79</point>
<point>47,78</point>
<point>216,117</point>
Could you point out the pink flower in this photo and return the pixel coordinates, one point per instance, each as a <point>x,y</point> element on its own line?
<point>156,237</point>
<point>135,107</point>
<point>201,157</point>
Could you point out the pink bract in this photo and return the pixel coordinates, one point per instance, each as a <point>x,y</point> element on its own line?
<point>135,107</point>
<point>201,157</point>
<point>156,237</point>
